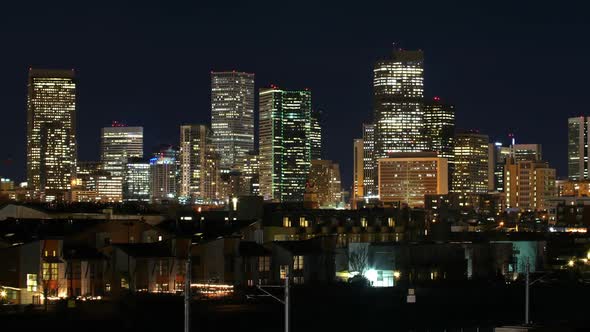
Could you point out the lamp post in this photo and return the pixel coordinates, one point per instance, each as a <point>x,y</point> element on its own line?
<point>187,291</point>
<point>286,301</point>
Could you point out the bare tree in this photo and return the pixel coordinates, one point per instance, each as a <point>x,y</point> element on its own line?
<point>358,258</point>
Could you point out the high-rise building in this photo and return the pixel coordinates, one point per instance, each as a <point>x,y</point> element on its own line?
<point>369,166</point>
<point>398,99</point>
<point>470,175</point>
<point>529,184</point>
<point>232,116</point>
<point>198,165</point>
<point>316,135</point>
<point>530,152</point>
<point>285,151</point>
<point>497,155</point>
<point>118,144</point>
<point>324,183</point>
<point>51,132</point>
<point>578,148</point>
<point>358,171</point>
<point>163,176</point>
<point>136,183</point>
<point>250,172</point>
<point>405,178</point>
<point>439,121</point>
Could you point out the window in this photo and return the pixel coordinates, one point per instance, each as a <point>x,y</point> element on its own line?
<point>298,280</point>
<point>303,222</point>
<point>286,222</point>
<point>250,283</point>
<point>297,262</point>
<point>263,263</point>
<point>32,282</point>
<point>364,222</point>
<point>124,284</point>
<point>49,271</point>
<point>390,222</point>
<point>283,271</point>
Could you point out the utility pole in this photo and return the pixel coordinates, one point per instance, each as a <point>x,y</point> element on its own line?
<point>287,302</point>
<point>526,294</point>
<point>187,292</point>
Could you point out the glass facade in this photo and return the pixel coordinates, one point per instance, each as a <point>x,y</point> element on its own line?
<point>136,184</point>
<point>577,148</point>
<point>51,132</point>
<point>285,148</point>
<point>119,143</point>
<point>316,136</point>
<point>398,98</point>
<point>232,116</point>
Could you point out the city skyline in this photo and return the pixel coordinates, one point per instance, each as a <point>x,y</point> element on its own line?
<point>442,59</point>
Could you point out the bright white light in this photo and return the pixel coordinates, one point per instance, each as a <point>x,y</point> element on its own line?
<point>371,275</point>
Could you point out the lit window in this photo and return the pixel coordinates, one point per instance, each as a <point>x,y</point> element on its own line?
<point>283,271</point>
<point>263,263</point>
<point>297,262</point>
<point>303,222</point>
<point>32,282</point>
<point>286,222</point>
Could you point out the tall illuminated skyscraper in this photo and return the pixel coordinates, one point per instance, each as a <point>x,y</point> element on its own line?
<point>163,176</point>
<point>470,175</point>
<point>232,116</point>
<point>136,183</point>
<point>118,144</point>
<point>578,148</point>
<point>358,171</point>
<point>198,164</point>
<point>285,148</point>
<point>439,122</point>
<point>369,165</point>
<point>398,99</point>
<point>316,135</point>
<point>51,132</point>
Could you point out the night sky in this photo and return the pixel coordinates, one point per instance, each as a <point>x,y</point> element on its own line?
<point>518,69</point>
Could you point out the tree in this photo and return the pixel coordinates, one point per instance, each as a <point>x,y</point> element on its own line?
<point>358,257</point>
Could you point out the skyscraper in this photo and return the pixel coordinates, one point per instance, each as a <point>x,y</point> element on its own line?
<point>497,155</point>
<point>136,183</point>
<point>406,178</point>
<point>530,152</point>
<point>198,164</point>
<point>529,184</point>
<point>398,99</point>
<point>163,176</point>
<point>316,135</point>
<point>439,121</point>
<point>324,183</point>
<point>118,144</point>
<point>470,175</point>
<point>358,171</point>
<point>369,166</point>
<point>232,116</point>
<point>578,148</point>
<point>285,148</point>
<point>51,132</point>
